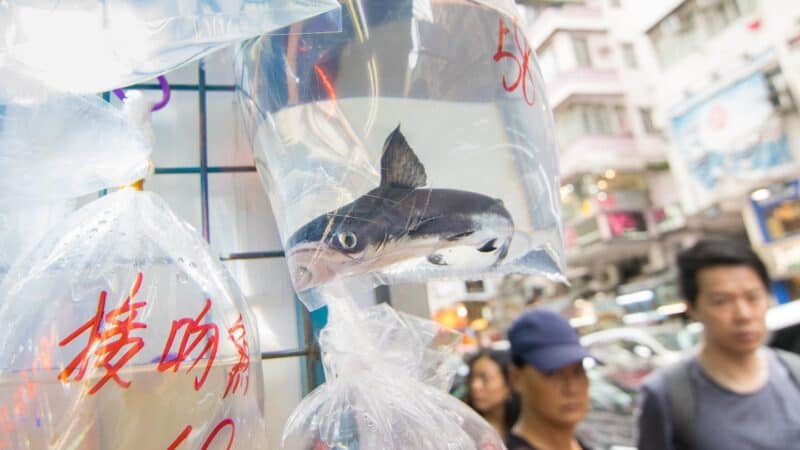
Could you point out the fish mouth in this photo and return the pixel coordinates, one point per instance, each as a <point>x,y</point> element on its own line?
<point>314,264</point>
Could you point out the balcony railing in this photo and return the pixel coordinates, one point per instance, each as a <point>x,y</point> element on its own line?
<point>595,154</point>
<point>578,18</point>
<point>583,81</point>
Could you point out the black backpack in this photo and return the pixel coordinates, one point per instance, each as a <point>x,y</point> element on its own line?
<point>681,397</point>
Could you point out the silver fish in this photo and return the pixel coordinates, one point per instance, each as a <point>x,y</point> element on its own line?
<point>398,221</point>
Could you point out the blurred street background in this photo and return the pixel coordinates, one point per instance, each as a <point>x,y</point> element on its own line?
<point>676,120</point>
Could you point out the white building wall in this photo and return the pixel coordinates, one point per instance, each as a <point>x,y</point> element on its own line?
<point>750,44</point>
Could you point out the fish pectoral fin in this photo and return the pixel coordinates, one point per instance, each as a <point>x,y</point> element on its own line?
<point>489,246</point>
<point>437,259</point>
<point>400,167</point>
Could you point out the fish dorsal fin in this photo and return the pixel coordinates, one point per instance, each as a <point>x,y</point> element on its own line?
<point>400,167</point>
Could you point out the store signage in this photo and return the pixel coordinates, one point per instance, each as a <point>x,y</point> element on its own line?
<point>627,224</point>
<point>778,210</point>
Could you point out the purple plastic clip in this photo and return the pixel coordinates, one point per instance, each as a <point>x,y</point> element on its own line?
<point>165,94</point>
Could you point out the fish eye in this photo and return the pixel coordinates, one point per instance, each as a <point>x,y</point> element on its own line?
<point>303,275</point>
<point>347,239</point>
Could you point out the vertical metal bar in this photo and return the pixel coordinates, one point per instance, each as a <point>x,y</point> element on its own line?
<point>383,294</point>
<point>317,319</point>
<point>107,97</point>
<point>305,333</point>
<point>201,90</point>
<point>312,349</point>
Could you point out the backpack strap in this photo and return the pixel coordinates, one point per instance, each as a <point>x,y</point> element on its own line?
<point>792,363</point>
<point>681,403</point>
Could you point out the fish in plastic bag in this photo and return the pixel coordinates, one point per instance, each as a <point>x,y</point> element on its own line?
<point>397,220</point>
<point>121,330</point>
<point>92,46</point>
<point>466,186</point>
<point>387,378</point>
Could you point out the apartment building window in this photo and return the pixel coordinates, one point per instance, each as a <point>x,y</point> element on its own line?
<point>720,14</point>
<point>677,34</point>
<point>629,56</point>
<point>647,121</point>
<point>598,119</point>
<point>621,113</point>
<point>589,119</point>
<point>693,23</point>
<point>581,45</point>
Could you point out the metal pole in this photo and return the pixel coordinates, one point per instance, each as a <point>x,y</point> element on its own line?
<point>201,90</point>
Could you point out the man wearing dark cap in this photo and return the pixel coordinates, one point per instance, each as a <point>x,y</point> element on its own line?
<point>548,373</point>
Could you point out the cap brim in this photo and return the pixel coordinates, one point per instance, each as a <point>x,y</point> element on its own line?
<point>553,358</point>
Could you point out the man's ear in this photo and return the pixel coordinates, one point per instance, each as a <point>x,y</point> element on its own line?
<point>691,311</point>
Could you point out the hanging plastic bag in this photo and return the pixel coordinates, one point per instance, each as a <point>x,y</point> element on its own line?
<point>20,228</point>
<point>64,146</point>
<point>121,330</point>
<point>387,376</point>
<point>416,143</point>
<point>55,148</point>
<point>92,46</point>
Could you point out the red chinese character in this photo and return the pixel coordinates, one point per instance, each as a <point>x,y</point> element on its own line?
<point>193,335</point>
<point>319,445</point>
<point>181,437</point>
<point>107,344</point>
<point>211,436</point>
<point>521,59</point>
<point>215,431</point>
<point>240,371</point>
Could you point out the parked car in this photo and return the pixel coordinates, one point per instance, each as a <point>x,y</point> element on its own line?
<point>627,355</point>
<point>624,357</point>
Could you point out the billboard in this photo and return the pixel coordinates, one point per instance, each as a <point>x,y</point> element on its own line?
<point>727,141</point>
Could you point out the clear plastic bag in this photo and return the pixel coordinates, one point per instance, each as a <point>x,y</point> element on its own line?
<point>63,146</point>
<point>416,143</point>
<point>55,148</point>
<point>92,46</point>
<point>387,376</point>
<point>20,228</point>
<point>121,330</point>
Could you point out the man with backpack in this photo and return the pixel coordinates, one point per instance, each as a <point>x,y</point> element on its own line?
<point>734,393</point>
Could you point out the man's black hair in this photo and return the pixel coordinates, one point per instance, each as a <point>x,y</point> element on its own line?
<point>716,252</point>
